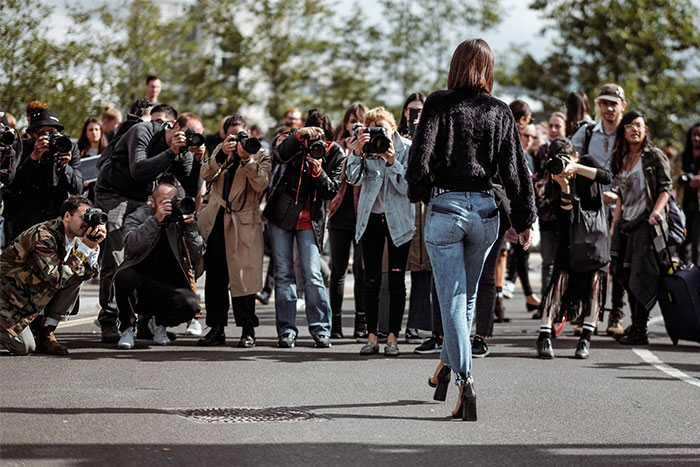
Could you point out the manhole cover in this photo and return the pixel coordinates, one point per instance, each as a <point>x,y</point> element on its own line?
<point>249,415</point>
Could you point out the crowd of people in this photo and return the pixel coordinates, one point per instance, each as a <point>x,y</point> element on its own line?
<point>451,193</point>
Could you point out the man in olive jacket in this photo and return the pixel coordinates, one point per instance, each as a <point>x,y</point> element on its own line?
<point>161,245</point>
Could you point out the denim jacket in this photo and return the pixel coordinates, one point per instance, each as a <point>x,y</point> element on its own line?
<point>370,174</point>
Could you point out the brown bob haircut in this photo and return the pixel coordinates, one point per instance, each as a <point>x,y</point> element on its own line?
<point>471,66</point>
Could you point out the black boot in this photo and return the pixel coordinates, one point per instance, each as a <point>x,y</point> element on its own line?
<point>637,336</point>
<point>215,336</point>
<point>360,333</point>
<point>336,326</point>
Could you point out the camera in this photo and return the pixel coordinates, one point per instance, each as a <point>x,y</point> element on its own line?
<point>181,207</point>
<point>555,164</point>
<point>94,217</point>
<point>686,178</point>
<point>59,145</point>
<point>192,139</point>
<point>412,115</point>
<point>378,142</point>
<point>317,148</point>
<point>8,136</point>
<point>248,143</point>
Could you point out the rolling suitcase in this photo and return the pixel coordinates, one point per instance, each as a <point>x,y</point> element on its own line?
<point>679,298</point>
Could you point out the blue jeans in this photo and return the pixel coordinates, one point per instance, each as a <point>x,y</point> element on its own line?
<point>460,229</point>
<point>318,308</point>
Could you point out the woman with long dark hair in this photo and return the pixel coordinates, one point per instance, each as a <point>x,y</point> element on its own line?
<point>413,104</point>
<point>464,137</point>
<point>92,139</point>
<point>578,187</point>
<point>342,215</point>
<point>688,189</point>
<point>644,179</point>
<point>576,112</point>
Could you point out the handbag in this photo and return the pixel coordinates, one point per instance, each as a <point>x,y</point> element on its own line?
<point>589,246</point>
<point>282,209</point>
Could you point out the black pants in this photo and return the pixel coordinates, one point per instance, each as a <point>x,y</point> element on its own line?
<point>486,295</point>
<point>341,241</point>
<point>170,304</point>
<point>376,234</point>
<point>519,267</point>
<point>216,288</point>
<point>420,302</point>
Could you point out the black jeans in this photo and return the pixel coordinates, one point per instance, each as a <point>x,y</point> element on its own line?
<point>373,240</point>
<point>138,294</point>
<point>420,302</point>
<point>341,241</point>
<point>486,295</point>
<point>216,288</point>
<point>521,259</point>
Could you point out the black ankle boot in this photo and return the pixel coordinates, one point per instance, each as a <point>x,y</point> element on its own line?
<point>215,336</point>
<point>636,336</point>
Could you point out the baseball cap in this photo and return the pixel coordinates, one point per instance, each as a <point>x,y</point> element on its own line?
<point>611,92</point>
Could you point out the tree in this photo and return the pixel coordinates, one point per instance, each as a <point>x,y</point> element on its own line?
<point>646,46</point>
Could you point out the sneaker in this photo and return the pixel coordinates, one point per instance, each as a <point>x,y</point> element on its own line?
<point>391,349</point>
<point>370,348</point>
<point>381,336</point>
<point>110,334</point>
<point>246,342</point>
<point>322,342</point>
<point>544,348</point>
<point>301,304</point>
<point>583,349</point>
<point>615,328</point>
<point>432,345</point>
<point>337,334</point>
<point>194,328</point>
<point>509,286</point>
<point>127,340</point>
<point>160,337</point>
<point>412,336</point>
<point>479,347</point>
<point>287,341</point>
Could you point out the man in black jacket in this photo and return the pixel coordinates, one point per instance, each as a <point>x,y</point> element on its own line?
<point>156,277</point>
<point>44,177</point>
<point>142,155</point>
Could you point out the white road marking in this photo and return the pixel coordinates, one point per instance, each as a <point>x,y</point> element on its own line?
<point>654,361</point>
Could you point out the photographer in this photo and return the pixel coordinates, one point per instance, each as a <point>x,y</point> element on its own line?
<point>297,209</point>
<point>48,171</point>
<point>10,151</point>
<point>579,186</point>
<point>42,271</point>
<point>688,186</point>
<point>384,213</point>
<point>161,245</point>
<point>126,179</point>
<point>232,227</point>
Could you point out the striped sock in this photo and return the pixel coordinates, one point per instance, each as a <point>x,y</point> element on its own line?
<point>545,331</point>
<point>588,329</point>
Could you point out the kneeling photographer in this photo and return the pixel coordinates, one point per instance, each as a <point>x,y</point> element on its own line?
<point>161,245</point>
<point>42,272</point>
<point>239,171</point>
<point>48,171</point>
<point>579,278</point>
<point>297,210</point>
<point>384,216</point>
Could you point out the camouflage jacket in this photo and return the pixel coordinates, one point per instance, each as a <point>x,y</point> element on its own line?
<point>32,270</point>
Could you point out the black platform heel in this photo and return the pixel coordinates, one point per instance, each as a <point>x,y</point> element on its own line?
<point>467,399</point>
<point>443,383</point>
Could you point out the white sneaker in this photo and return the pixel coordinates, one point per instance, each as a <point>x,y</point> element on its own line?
<point>301,304</point>
<point>160,336</point>
<point>510,286</point>
<point>127,340</point>
<point>194,328</point>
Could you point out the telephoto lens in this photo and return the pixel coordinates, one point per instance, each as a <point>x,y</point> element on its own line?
<point>94,217</point>
<point>317,149</point>
<point>378,142</point>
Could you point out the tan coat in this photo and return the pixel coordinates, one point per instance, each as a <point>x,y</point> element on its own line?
<point>242,229</point>
<point>418,255</point>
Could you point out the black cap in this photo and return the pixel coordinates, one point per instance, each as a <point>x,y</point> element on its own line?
<point>44,117</point>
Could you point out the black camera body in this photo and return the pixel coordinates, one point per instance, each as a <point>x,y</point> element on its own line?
<point>378,142</point>
<point>556,164</point>
<point>94,217</point>
<point>8,136</point>
<point>59,145</point>
<point>248,143</point>
<point>412,115</point>
<point>181,207</point>
<point>686,178</point>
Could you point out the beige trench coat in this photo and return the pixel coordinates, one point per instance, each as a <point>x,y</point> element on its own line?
<point>242,229</point>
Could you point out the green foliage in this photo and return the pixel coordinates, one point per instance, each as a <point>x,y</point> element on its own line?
<point>646,46</point>
<point>217,57</point>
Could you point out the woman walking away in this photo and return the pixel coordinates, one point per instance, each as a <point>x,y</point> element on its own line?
<point>463,138</point>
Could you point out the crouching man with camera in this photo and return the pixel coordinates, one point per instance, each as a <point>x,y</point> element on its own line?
<point>161,243</point>
<point>43,270</point>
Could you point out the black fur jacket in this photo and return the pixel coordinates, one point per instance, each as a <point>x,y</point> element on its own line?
<point>464,138</point>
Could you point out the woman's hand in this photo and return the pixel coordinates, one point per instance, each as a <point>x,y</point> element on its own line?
<point>314,165</point>
<point>571,167</point>
<point>310,132</point>
<point>389,154</point>
<point>525,238</point>
<point>359,142</point>
<point>562,179</point>
<point>655,218</point>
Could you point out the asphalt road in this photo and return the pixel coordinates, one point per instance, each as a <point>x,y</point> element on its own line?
<point>100,406</point>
